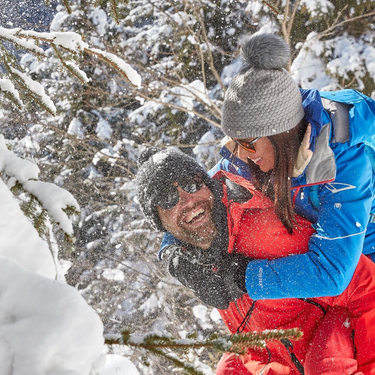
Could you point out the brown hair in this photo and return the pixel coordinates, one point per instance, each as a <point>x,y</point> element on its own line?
<point>276,184</point>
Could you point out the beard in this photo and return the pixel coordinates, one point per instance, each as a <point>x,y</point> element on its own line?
<point>201,235</point>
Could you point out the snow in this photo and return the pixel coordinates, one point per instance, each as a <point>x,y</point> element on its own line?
<point>215,316</point>
<point>99,19</point>
<point>118,365</point>
<point>131,74</point>
<point>103,129</point>
<point>200,312</point>
<point>188,94</point>
<point>53,198</point>
<point>46,327</point>
<point>308,69</point>
<point>150,304</point>
<point>7,85</point>
<point>70,41</point>
<point>37,89</point>
<point>113,274</point>
<point>19,240</point>
<point>9,35</point>
<point>317,7</point>
<point>76,128</point>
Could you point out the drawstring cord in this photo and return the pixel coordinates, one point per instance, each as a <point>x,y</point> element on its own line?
<point>246,319</point>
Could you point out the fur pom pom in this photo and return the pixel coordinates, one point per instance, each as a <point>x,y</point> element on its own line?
<point>146,154</point>
<point>265,51</point>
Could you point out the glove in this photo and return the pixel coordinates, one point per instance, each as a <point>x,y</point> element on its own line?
<point>215,283</point>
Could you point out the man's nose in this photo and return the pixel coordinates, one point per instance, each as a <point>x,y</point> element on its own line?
<point>185,197</point>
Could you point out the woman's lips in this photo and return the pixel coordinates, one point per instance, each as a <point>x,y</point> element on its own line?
<point>255,161</point>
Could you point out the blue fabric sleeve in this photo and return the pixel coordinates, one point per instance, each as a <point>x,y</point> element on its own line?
<point>168,239</point>
<point>327,268</point>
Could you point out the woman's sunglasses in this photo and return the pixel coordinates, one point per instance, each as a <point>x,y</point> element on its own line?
<point>246,145</point>
<point>170,196</point>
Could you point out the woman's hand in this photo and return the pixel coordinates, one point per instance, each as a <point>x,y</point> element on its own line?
<point>304,154</point>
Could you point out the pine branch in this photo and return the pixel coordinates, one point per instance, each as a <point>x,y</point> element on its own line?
<point>114,12</point>
<point>40,223</point>
<point>10,96</point>
<point>19,78</point>
<point>237,343</point>
<point>75,72</point>
<point>162,345</point>
<point>176,362</point>
<point>67,6</point>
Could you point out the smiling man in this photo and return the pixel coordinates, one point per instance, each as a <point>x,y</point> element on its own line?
<point>185,208</point>
<point>177,196</point>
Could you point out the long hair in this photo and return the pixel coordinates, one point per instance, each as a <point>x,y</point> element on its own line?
<point>276,184</point>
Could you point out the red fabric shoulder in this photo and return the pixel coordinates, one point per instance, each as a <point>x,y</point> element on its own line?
<point>256,231</point>
<point>263,236</point>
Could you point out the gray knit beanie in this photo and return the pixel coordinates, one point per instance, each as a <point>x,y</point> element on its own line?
<point>262,99</point>
<point>157,170</point>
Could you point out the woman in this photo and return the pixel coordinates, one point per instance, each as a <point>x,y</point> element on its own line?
<point>266,117</point>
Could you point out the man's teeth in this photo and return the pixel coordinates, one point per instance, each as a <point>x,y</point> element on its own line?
<point>194,214</point>
<point>255,160</point>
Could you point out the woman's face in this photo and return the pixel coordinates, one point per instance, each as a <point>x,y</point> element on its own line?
<point>263,157</point>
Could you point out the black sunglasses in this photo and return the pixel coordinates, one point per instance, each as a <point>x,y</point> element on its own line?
<point>170,197</point>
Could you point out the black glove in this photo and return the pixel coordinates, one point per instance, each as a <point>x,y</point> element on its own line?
<point>215,282</point>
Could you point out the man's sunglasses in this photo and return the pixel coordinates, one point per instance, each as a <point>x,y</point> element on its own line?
<point>248,146</point>
<point>170,197</point>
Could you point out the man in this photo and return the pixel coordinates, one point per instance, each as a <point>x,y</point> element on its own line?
<point>177,195</point>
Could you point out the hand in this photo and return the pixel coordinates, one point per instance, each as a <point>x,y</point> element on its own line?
<point>215,284</point>
<point>304,154</point>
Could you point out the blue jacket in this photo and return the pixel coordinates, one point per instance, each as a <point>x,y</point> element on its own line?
<point>335,192</point>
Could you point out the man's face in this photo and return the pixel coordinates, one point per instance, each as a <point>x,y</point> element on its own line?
<point>191,219</point>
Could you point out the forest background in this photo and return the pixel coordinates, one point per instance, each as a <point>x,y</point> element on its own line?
<point>88,140</point>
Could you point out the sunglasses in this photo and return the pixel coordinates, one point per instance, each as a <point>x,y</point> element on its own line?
<point>171,197</point>
<point>248,146</point>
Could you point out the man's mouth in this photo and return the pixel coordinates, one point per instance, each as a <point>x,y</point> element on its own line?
<point>195,216</point>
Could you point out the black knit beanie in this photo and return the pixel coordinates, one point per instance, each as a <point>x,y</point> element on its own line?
<point>158,169</point>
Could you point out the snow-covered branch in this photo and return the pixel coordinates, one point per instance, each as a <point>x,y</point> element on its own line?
<point>68,47</point>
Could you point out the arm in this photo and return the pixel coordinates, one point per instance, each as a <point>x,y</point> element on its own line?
<point>328,266</point>
<point>214,284</point>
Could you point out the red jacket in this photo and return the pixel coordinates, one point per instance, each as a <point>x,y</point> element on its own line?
<point>256,231</point>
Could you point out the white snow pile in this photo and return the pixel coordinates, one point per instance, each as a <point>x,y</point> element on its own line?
<point>46,327</point>
<point>118,365</point>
